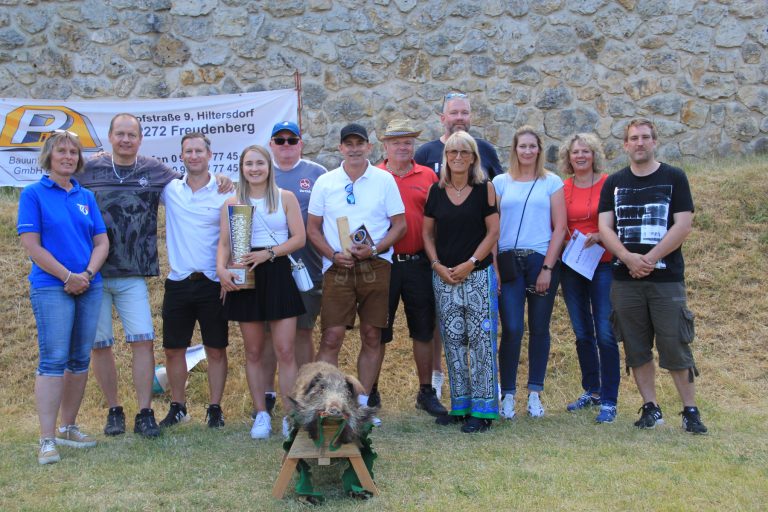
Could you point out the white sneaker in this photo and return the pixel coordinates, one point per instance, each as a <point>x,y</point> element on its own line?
<point>286,428</point>
<point>507,409</point>
<point>70,435</point>
<point>261,426</point>
<point>437,383</point>
<point>535,409</point>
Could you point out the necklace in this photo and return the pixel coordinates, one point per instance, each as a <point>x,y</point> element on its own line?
<point>123,178</point>
<point>398,172</point>
<point>459,190</point>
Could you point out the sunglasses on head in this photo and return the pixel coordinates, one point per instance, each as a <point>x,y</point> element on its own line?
<point>292,141</point>
<point>71,134</point>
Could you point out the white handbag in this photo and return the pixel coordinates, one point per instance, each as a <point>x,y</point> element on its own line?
<point>298,269</point>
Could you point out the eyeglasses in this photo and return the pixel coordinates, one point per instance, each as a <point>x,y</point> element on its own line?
<point>71,134</point>
<point>350,193</point>
<point>463,153</point>
<point>292,141</point>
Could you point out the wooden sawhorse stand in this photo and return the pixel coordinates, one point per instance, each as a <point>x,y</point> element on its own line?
<point>304,448</point>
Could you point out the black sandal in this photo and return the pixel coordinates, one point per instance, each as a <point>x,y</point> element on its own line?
<point>448,419</point>
<point>476,425</point>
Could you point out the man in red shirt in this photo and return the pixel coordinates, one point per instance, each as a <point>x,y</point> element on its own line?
<point>411,276</point>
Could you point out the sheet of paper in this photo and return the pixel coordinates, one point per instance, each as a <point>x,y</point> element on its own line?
<point>582,259</point>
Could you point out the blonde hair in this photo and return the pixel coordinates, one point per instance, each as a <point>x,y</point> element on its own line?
<point>462,140</point>
<point>514,164</point>
<point>244,188</point>
<point>588,139</point>
<point>56,139</point>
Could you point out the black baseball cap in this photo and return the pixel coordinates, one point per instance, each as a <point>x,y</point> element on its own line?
<point>354,129</point>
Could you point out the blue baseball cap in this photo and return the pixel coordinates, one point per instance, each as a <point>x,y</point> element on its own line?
<point>286,125</point>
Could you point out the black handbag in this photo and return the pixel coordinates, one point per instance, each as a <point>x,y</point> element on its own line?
<point>508,262</point>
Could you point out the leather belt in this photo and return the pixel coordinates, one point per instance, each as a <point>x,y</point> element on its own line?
<point>400,258</point>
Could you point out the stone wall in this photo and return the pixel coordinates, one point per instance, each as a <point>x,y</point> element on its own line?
<point>698,68</point>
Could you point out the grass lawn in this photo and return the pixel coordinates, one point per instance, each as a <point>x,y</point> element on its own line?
<point>561,462</point>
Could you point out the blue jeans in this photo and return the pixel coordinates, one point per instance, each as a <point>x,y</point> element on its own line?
<point>131,300</point>
<point>589,306</point>
<point>512,310</point>
<point>66,327</point>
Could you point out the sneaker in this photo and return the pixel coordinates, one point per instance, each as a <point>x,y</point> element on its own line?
<point>214,416</point>
<point>427,401</point>
<point>374,399</point>
<point>450,419</point>
<point>176,414</point>
<point>262,426</point>
<point>692,421</point>
<point>145,424</point>
<point>584,401</point>
<point>286,428</point>
<point>437,383</point>
<point>474,425</point>
<point>535,409</point>
<point>70,435</point>
<point>507,409</point>
<point>650,416</point>
<point>376,421</point>
<point>607,414</point>
<point>270,399</point>
<point>48,453</point>
<point>115,422</point>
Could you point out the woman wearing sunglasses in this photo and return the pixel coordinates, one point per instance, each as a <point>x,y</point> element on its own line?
<point>533,227</point>
<point>461,227</point>
<point>62,231</point>
<point>588,301</point>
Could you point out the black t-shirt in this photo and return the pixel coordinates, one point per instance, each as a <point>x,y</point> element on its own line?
<point>643,209</point>
<point>459,229</point>
<point>430,155</point>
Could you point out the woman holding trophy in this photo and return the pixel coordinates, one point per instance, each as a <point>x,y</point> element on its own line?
<point>260,227</point>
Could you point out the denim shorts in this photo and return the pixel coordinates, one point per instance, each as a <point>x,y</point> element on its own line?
<point>66,325</point>
<point>131,300</point>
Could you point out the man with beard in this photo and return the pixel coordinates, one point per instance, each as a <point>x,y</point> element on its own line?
<point>457,115</point>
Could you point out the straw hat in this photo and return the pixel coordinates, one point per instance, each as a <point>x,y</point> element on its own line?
<point>399,128</point>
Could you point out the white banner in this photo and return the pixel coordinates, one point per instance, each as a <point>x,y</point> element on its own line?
<point>231,122</point>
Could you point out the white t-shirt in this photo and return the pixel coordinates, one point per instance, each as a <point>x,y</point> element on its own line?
<point>536,228</point>
<point>192,223</point>
<point>377,199</point>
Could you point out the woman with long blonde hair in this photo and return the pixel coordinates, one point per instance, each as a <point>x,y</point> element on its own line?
<point>533,227</point>
<point>277,230</point>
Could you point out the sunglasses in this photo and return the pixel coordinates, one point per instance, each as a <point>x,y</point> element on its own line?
<point>452,96</point>
<point>463,153</point>
<point>292,141</point>
<point>350,194</point>
<point>532,291</point>
<point>71,134</point>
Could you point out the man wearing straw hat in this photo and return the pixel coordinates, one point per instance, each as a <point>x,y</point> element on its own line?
<point>411,276</point>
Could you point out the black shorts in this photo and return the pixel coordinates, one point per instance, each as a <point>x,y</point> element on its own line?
<point>411,280</point>
<point>195,299</point>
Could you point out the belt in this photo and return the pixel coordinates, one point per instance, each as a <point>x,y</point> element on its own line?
<point>408,257</point>
<point>196,276</point>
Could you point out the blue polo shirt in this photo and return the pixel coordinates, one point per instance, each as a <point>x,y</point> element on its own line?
<point>66,222</point>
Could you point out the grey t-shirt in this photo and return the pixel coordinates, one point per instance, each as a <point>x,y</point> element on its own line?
<point>128,197</point>
<point>301,180</point>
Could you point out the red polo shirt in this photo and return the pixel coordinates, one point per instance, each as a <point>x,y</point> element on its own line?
<point>414,188</point>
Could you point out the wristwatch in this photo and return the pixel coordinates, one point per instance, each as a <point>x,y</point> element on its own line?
<point>547,267</point>
<point>475,261</point>
<point>374,251</point>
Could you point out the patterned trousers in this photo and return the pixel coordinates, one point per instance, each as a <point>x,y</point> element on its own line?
<point>468,317</point>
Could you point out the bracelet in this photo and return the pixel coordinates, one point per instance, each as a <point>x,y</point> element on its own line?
<point>272,254</point>
<point>68,276</point>
<point>90,274</point>
<point>435,263</point>
<point>333,256</point>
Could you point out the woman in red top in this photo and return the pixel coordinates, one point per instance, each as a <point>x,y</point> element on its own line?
<point>588,301</point>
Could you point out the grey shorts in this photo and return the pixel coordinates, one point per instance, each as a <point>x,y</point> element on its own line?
<point>644,311</point>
